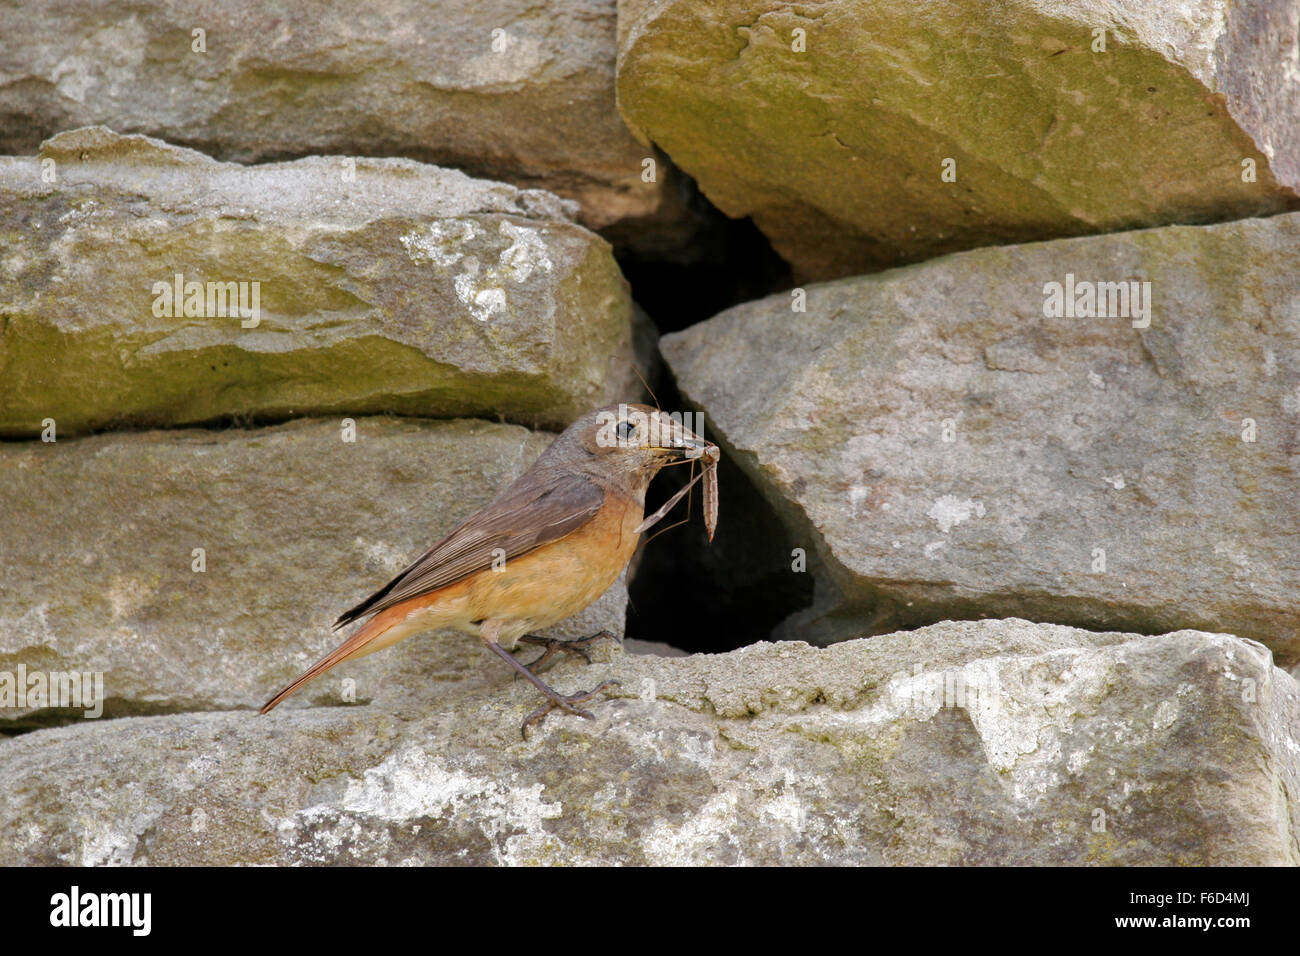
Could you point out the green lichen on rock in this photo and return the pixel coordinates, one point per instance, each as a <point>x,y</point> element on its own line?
<point>523,314</point>
<point>837,149</point>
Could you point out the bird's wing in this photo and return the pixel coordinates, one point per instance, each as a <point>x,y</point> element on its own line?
<point>525,516</point>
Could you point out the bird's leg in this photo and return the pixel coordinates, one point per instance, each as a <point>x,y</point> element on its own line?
<point>578,646</point>
<point>554,698</point>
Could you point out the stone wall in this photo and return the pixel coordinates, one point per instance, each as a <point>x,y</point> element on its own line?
<point>1007,389</point>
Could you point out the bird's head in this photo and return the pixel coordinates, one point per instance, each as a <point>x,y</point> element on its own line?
<point>629,443</point>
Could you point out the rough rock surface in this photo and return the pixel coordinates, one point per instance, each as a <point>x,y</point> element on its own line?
<point>296,525</point>
<point>838,150</point>
<point>506,89</point>
<point>995,742</point>
<point>947,451</point>
<point>383,286</point>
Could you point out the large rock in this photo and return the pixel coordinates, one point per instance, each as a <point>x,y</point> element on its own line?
<point>403,288</point>
<point>97,562</point>
<point>837,151</point>
<point>506,89</point>
<point>998,742</point>
<point>948,451</point>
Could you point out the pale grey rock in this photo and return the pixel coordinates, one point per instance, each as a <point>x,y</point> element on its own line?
<point>993,742</point>
<point>505,89</point>
<point>941,448</point>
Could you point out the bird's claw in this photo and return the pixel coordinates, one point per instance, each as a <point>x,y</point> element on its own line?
<point>565,704</point>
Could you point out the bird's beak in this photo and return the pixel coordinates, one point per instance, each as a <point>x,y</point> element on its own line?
<point>692,448</point>
<point>677,443</point>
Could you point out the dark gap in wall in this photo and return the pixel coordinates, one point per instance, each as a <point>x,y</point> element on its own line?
<point>686,592</point>
<point>709,598</point>
<point>722,263</point>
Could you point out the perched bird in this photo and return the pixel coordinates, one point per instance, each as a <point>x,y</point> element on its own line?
<point>545,548</point>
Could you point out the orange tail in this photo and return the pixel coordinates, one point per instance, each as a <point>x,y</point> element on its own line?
<point>349,648</point>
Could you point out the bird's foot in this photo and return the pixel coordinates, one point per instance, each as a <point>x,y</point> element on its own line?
<point>556,700</point>
<point>552,645</point>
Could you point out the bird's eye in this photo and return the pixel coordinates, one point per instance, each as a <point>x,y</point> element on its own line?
<point>625,431</point>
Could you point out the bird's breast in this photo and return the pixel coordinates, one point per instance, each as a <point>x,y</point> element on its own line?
<point>557,580</point>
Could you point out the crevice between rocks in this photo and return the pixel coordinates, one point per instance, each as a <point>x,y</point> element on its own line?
<point>710,598</point>
<point>114,708</point>
<point>686,592</point>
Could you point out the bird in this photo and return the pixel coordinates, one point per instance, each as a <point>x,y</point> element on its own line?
<point>542,550</point>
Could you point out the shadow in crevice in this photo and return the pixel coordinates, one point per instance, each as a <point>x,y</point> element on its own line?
<point>114,708</point>
<point>710,598</point>
<point>723,262</point>
<point>686,592</point>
